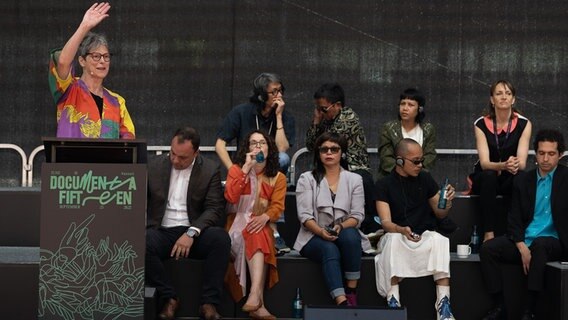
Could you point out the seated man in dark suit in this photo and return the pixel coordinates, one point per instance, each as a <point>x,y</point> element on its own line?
<point>186,210</point>
<point>537,227</point>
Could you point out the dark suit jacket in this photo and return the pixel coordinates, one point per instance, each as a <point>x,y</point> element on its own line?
<point>206,203</point>
<point>523,201</point>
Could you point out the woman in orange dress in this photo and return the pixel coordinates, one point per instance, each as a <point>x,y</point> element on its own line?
<point>255,192</point>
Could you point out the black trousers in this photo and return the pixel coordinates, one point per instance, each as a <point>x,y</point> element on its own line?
<point>487,184</point>
<point>213,245</point>
<point>503,250</point>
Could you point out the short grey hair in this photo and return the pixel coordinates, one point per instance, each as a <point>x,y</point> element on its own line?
<point>91,41</point>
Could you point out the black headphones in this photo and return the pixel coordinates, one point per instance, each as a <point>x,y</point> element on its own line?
<point>399,161</point>
<point>258,87</point>
<point>260,84</point>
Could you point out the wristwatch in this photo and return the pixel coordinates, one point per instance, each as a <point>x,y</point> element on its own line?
<point>192,233</point>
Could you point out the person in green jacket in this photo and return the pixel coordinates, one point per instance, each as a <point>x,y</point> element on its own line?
<point>410,124</point>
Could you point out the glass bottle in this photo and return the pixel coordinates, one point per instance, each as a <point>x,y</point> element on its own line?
<point>442,200</point>
<point>298,305</point>
<point>474,241</point>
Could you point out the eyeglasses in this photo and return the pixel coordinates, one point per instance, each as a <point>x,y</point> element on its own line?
<point>325,109</point>
<point>333,150</point>
<point>416,162</point>
<point>97,56</point>
<point>254,144</point>
<point>275,92</point>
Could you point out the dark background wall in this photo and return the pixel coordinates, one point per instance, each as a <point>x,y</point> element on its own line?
<point>183,62</point>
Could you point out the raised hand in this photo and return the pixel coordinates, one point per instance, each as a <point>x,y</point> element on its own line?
<point>95,14</point>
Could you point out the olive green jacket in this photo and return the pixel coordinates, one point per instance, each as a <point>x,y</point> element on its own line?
<point>391,134</point>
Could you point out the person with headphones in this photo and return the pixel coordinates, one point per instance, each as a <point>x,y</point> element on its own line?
<point>410,124</point>
<point>265,111</point>
<point>332,115</point>
<point>407,203</point>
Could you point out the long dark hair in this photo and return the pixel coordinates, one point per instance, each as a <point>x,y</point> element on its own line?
<point>319,170</point>
<point>491,108</point>
<point>272,164</point>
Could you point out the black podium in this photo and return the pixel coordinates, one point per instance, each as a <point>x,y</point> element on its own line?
<point>92,230</point>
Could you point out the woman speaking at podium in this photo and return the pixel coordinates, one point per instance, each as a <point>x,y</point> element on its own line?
<point>85,108</point>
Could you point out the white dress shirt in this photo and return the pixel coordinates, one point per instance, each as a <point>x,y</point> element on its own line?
<point>176,208</point>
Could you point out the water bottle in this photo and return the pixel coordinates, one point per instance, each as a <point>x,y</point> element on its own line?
<point>442,200</point>
<point>298,306</point>
<point>260,157</point>
<point>474,242</point>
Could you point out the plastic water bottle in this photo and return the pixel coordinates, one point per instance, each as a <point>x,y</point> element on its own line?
<point>442,200</point>
<point>260,157</point>
<point>474,242</point>
<point>298,306</point>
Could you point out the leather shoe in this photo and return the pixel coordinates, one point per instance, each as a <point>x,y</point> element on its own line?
<point>169,310</point>
<point>497,313</point>
<point>209,312</point>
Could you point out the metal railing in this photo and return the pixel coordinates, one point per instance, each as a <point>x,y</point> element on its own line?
<point>27,162</point>
<point>156,149</point>
<point>24,159</point>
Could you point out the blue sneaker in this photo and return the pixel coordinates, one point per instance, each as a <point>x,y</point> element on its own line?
<point>393,303</point>
<point>444,309</point>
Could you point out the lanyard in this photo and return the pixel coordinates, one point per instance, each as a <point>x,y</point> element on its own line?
<point>258,128</point>
<point>506,135</point>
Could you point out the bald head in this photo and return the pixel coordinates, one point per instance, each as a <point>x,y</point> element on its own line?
<point>403,146</point>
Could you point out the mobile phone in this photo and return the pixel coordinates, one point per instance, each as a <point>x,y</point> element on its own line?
<point>331,231</point>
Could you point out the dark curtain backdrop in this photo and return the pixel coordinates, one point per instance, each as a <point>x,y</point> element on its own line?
<point>184,62</point>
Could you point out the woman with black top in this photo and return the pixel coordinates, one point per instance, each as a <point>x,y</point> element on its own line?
<point>502,139</point>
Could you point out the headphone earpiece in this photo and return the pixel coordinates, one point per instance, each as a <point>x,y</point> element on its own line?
<point>420,109</point>
<point>399,161</point>
<point>260,97</point>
